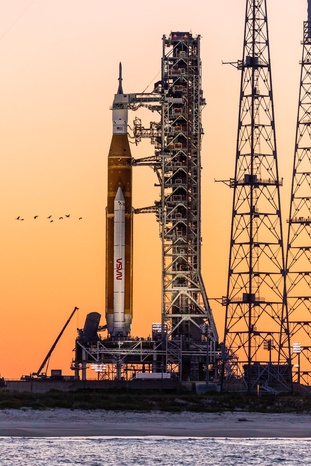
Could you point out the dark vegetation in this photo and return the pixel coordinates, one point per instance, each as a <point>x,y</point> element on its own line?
<point>178,401</point>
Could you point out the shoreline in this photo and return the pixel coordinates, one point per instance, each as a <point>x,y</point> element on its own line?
<point>60,422</point>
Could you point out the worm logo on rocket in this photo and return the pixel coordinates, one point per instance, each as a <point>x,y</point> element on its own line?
<point>119,274</point>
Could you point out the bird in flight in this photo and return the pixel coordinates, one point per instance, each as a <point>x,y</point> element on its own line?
<point>49,217</point>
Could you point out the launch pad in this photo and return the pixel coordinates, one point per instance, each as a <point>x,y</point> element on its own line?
<point>184,345</point>
<point>261,312</point>
<point>154,358</point>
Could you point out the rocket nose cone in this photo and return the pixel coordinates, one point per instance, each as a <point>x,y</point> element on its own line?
<point>119,195</point>
<point>120,90</point>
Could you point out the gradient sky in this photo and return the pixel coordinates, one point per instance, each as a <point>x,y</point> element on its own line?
<point>59,68</point>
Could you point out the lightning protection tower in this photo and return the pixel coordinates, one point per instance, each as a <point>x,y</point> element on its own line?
<point>298,257</point>
<point>256,339</point>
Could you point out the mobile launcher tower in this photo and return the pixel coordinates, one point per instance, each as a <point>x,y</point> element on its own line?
<point>185,343</point>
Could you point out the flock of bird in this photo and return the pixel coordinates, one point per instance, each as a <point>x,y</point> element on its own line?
<point>48,218</point>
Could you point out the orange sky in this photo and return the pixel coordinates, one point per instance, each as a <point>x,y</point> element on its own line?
<point>59,65</point>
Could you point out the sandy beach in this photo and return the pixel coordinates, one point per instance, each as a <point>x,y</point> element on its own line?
<point>69,423</point>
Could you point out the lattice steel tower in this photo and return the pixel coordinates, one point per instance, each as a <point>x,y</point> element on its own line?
<point>298,256</point>
<point>185,309</point>
<point>189,333</point>
<point>256,337</point>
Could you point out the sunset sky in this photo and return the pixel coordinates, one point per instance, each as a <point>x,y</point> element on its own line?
<point>59,69</point>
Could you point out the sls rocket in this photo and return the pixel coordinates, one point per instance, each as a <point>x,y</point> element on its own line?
<point>119,222</point>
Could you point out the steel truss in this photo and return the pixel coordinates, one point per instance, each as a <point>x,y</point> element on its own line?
<point>189,342</point>
<point>298,257</point>
<point>256,337</point>
<point>178,98</point>
<point>185,309</point>
<point>121,359</point>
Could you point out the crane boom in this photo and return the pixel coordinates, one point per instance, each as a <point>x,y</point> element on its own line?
<point>38,373</point>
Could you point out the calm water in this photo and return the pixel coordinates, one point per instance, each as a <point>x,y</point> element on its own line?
<point>151,451</point>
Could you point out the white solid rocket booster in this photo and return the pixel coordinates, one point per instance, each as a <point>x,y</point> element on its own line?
<point>119,262</point>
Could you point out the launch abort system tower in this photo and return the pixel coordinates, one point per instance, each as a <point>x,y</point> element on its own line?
<point>298,256</point>
<point>256,336</point>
